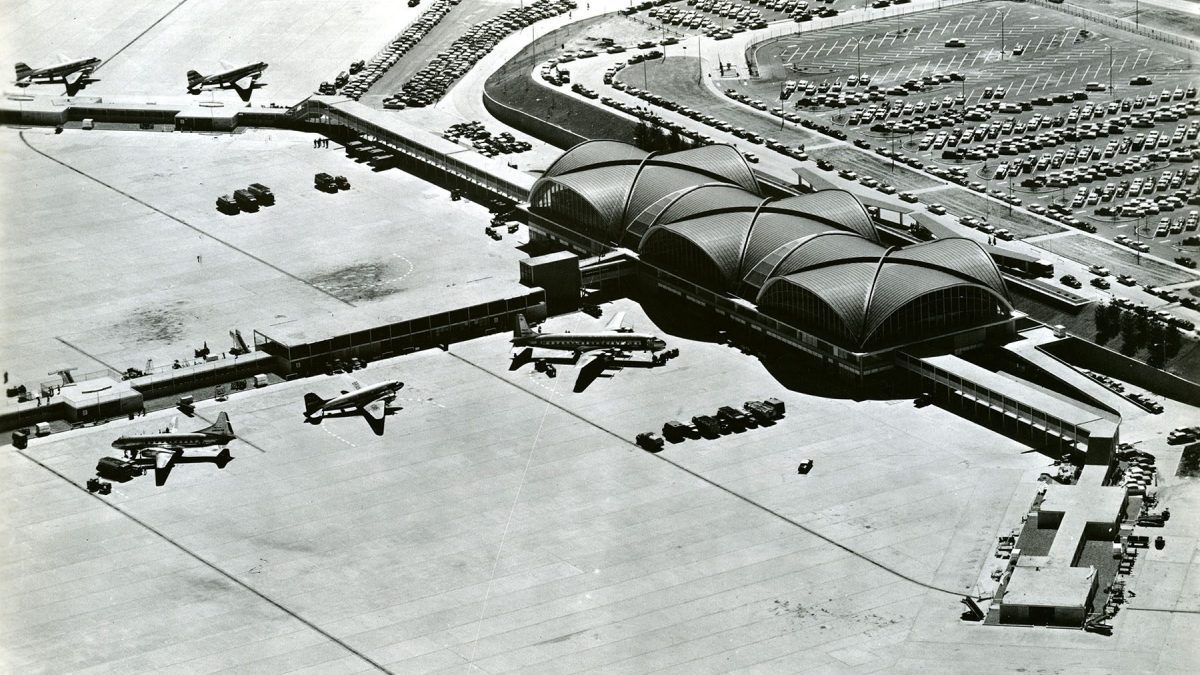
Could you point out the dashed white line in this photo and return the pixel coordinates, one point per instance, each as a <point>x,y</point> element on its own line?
<point>326,430</point>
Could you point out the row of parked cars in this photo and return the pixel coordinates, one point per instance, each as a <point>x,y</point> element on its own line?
<point>364,74</point>
<point>485,142</point>
<point>1140,195</point>
<point>430,83</point>
<point>247,199</point>
<point>1161,316</point>
<point>986,105</point>
<point>744,17</point>
<point>1076,133</point>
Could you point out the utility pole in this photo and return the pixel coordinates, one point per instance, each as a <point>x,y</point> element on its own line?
<point>1136,22</point>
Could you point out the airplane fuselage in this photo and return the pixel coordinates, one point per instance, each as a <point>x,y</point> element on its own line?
<point>230,77</point>
<point>363,396</point>
<point>58,72</point>
<point>187,440</point>
<point>584,342</point>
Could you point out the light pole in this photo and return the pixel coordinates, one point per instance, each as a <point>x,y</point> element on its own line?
<point>1002,36</point>
<point>1110,70</point>
<point>858,56</point>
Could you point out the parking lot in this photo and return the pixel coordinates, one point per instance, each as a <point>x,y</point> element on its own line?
<point>1014,103</point>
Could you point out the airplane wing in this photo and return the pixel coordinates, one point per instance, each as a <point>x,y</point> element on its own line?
<point>375,407</point>
<point>164,461</point>
<point>244,83</point>
<point>616,323</point>
<point>355,385</point>
<point>589,360</point>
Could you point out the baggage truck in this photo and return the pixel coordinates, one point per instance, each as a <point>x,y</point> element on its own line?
<point>776,406</point>
<point>675,430</point>
<point>707,425</point>
<point>245,200</point>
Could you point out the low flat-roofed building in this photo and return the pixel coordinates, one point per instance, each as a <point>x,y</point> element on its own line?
<point>405,322</point>
<point>1041,415</point>
<point>1047,595</point>
<point>1080,512</point>
<point>1050,589</point>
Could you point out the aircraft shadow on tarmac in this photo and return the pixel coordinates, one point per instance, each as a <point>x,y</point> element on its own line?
<point>376,423</point>
<point>589,373</point>
<point>74,88</point>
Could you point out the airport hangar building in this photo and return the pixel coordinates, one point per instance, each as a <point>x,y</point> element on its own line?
<point>807,270</point>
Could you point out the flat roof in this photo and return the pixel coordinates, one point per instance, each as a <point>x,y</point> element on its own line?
<point>550,257</point>
<point>396,124</point>
<point>1053,586</point>
<point>1052,403</point>
<point>1081,505</point>
<point>411,304</point>
<point>1029,347</point>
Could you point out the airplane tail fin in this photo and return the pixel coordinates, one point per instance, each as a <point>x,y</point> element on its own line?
<point>194,79</point>
<point>220,427</point>
<point>23,70</point>
<point>312,403</point>
<point>521,327</point>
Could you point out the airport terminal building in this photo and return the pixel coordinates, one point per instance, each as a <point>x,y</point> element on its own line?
<point>807,270</point>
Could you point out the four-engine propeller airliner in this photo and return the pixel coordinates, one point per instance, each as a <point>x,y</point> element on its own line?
<point>614,339</point>
<point>162,451</point>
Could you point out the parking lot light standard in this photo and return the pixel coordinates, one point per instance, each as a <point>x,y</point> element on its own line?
<point>1111,88</point>
<point>858,57</point>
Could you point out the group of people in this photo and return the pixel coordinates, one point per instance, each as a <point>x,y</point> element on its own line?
<point>320,143</point>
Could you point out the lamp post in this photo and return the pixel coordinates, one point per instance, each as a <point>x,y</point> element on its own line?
<point>1110,70</point>
<point>858,56</point>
